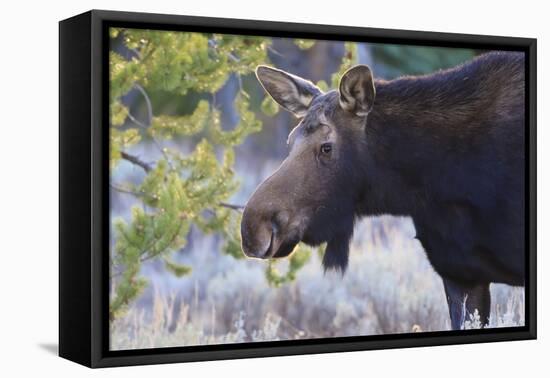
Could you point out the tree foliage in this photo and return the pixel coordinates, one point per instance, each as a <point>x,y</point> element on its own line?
<point>178,190</point>
<point>297,260</point>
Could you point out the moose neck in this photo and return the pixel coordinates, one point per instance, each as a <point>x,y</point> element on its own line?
<point>403,134</point>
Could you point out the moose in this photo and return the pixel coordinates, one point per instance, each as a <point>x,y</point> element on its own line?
<point>446,149</point>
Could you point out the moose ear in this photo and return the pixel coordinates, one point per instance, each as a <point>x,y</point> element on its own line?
<point>357,90</point>
<point>291,92</point>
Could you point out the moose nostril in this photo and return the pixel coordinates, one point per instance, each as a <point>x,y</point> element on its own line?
<point>257,237</point>
<point>261,251</point>
<point>261,227</point>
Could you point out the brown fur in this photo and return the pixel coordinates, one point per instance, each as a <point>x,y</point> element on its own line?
<point>446,149</point>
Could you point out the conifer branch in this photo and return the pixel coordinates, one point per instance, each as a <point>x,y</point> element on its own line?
<point>165,204</point>
<point>150,123</point>
<point>232,206</point>
<point>135,160</point>
<point>137,194</point>
<point>129,191</point>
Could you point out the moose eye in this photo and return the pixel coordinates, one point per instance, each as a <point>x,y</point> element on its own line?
<point>326,148</point>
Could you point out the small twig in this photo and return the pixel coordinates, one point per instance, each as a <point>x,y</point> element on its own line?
<point>155,141</point>
<point>231,206</point>
<point>135,160</point>
<point>240,82</point>
<point>123,190</point>
<point>270,48</point>
<point>213,102</point>
<point>233,57</point>
<point>213,45</point>
<point>147,102</point>
<point>138,194</point>
<point>129,191</point>
<point>150,123</point>
<point>137,121</point>
<point>136,52</point>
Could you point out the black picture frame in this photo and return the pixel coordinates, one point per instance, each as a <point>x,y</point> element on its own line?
<point>84,198</point>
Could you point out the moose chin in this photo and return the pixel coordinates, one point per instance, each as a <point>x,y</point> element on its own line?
<point>445,149</point>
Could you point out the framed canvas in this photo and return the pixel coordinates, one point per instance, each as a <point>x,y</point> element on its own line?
<point>234,188</point>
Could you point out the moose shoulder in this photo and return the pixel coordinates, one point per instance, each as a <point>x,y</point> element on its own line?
<point>446,149</point>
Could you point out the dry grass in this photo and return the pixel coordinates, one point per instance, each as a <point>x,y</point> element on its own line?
<point>390,287</point>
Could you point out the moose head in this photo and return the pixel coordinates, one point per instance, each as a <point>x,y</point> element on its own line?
<point>313,196</point>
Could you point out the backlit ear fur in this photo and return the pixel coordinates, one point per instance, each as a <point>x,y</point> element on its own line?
<point>357,90</point>
<point>291,92</point>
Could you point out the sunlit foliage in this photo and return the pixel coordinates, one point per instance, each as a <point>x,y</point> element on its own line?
<point>178,190</point>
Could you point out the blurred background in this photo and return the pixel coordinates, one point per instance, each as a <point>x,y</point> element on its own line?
<point>192,134</point>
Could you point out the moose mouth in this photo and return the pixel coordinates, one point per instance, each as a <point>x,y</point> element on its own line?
<point>285,249</point>
<point>280,248</point>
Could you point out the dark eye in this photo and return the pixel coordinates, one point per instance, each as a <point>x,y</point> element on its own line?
<point>326,148</point>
